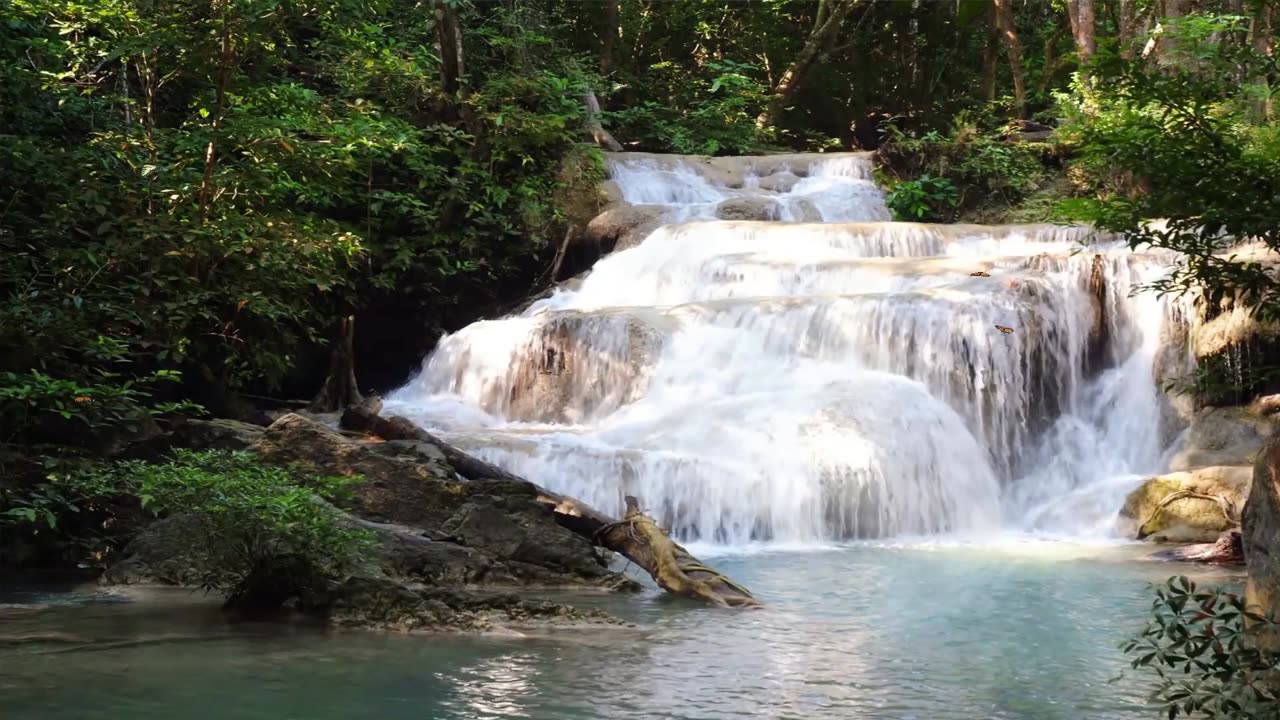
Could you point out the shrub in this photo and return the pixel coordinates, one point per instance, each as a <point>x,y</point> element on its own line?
<point>925,199</point>
<point>1206,650</point>
<point>256,533</point>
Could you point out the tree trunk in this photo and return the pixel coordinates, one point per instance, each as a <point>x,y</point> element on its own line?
<point>1081,13</point>
<point>1260,526</point>
<point>1263,44</point>
<point>1004,15</point>
<point>636,536</point>
<point>598,133</point>
<point>1128,29</point>
<point>448,33</point>
<point>340,388</point>
<point>990,50</point>
<point>608,36</point>
<point>831,16</point>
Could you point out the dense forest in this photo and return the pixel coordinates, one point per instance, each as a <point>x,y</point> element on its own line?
<point>198,198</point>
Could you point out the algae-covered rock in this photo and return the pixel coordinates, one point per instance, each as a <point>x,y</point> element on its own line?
<point>1194,506</point>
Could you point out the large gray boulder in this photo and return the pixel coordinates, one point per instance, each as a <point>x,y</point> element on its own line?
<point>1223,436</point>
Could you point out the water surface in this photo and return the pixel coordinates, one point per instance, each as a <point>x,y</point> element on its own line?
<point>926,631</point>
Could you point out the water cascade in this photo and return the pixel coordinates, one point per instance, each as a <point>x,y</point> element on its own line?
<point>818,373</point>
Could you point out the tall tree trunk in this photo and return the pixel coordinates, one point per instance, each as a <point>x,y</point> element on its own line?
<point>608,36</point>
<point>1263,40</point>
<point>831,16</point>
<point>1013,48</point>
<point>1081,13</point>
<point>1128,27</point>
<point>990,51</point>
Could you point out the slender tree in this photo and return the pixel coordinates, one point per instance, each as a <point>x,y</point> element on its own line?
<point>1013,49</point>
<point>817,47</point>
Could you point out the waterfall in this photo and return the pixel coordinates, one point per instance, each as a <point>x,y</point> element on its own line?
<point>823,374</point>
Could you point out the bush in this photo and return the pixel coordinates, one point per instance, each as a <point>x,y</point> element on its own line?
<point>257,533</point>
<point>925,199</point>
<point>1209,655</point>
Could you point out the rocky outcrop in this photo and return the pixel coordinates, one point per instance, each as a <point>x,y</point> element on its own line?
<point>749,208</point>
<point>437,539</point>
<point>1261,532</point>
<point>621,226</point>
<point>1223,436</point>
<point>1196,506</point>
<point>412,484</point>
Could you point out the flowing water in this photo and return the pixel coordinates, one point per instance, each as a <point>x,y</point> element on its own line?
<point>909,440</point>
<point>794,382</point>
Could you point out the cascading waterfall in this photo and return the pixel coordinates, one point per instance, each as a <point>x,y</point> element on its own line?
<point>822,375</point>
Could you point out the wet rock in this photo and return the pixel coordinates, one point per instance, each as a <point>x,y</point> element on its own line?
<point>1223,436</point>
<point>748,208</point>
<point>1195,506</point>
<point>780,182</point>
<point>217,434</point>
<point>622,226</point>
<point>583,364</point>
<point>408,484</point>
<point>390,604</point>
<point>1261,532</point>
<point>1228,549</point>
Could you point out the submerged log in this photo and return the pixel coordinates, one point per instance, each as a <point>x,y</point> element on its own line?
<point>636,536</point>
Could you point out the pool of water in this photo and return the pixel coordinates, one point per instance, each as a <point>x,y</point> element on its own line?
<point>1015,629</point>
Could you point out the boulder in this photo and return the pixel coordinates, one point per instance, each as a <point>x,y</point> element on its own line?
<point>1223,436</point>
<point>780,182</point>
<point>411,484</point>
<point>748,208</point>
<point>622,225</point>
<point>1261,533</point>
<point>1195,506</point>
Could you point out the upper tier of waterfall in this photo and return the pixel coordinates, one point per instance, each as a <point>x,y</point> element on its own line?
<point>825,374</point>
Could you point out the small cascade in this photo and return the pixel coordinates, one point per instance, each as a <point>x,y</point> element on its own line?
<point>821,375</point>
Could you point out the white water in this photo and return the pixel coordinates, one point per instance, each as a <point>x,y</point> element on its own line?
<point>800,382</point>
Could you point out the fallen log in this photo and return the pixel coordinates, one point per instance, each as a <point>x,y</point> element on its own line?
<point>636,536</point>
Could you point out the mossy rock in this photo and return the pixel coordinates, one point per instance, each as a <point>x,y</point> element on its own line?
<point>1192,506</point>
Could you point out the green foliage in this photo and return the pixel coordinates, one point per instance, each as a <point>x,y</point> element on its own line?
<point>209,185</point>
<point>1211,656</point>
<point>711,113</point>
<point>1180,141</point>
<point>245,524</point>
<point>925,199</point>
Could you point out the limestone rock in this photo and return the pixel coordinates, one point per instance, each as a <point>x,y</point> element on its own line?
<point>1196,511</point>
<point>1261,532</point>
<point>748,208</point>
<point>623,225</point>
<point>1223,436</point>
<point>779,182</point>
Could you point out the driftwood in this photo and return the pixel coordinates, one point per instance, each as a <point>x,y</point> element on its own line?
<point>599,135</point>
<point>1228,511</point>
<point>636,536</point>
